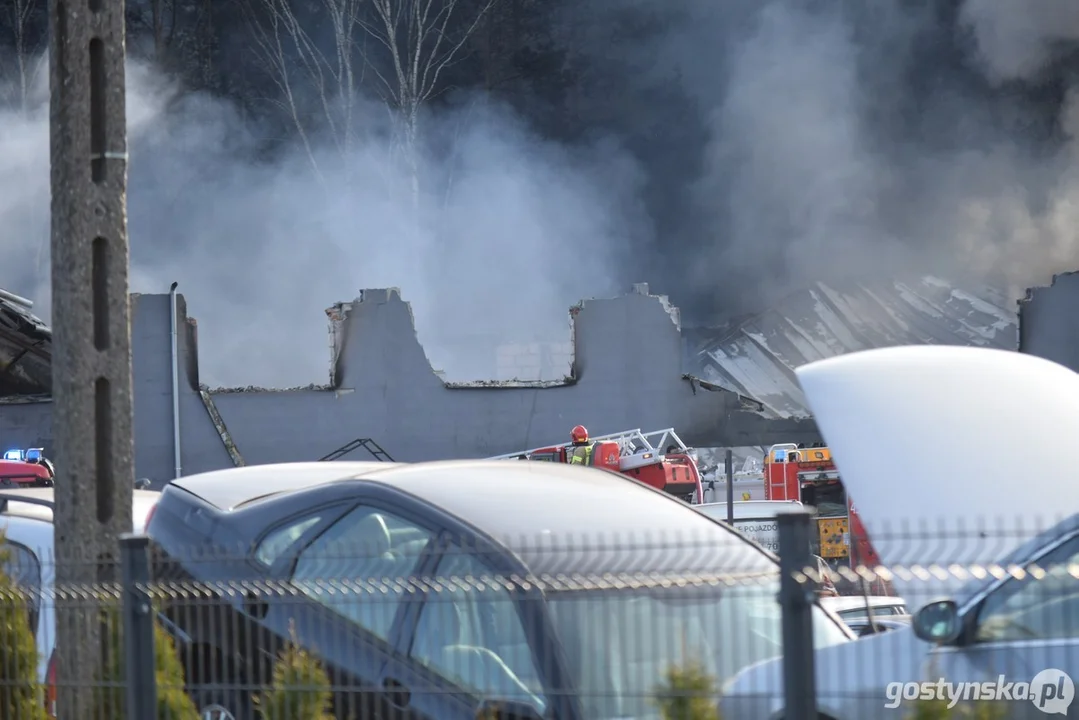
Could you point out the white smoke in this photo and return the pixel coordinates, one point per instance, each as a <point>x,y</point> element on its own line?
<point>801,183</point>
<point>824,162</point>
<point>840,141</point>
<point>511,232</point>
<point>1017,40</point>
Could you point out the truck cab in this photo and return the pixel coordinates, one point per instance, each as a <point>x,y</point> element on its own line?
<point>809,475</point>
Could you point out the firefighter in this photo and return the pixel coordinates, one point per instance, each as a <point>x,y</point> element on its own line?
<point>582,447</point>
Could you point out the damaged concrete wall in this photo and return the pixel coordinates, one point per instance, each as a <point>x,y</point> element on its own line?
<point>627,373</point>
<point>200,446</point>
<point>1049,323</point>
<point>534,360</point>
<point>26,423</point>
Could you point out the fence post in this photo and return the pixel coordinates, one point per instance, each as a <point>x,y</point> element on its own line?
<point>728,469</point>
<point>138,628</point>
<point>796,600</point>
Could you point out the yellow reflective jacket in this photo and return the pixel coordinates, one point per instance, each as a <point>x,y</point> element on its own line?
<point>582,454</point>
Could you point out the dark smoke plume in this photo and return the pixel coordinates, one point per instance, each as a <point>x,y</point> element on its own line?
<point>809,141</point>
<point>727,152</point>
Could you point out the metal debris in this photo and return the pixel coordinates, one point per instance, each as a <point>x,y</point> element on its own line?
<point>755,355</point>
<point>25,349</point>
<point>25,399</point>
<point>747,403</point>
<point>510,384</point>
<point>222,430</point>
<point>313,387</point>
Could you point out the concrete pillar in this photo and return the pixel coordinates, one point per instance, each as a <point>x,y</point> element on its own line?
<point>92,419</point>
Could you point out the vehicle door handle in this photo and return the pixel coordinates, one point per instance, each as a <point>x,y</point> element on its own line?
<point>398,694</point>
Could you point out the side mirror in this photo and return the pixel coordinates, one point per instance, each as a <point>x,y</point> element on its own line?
<point>938,622</point>
<point>507,710</point>
<point>142,484</point>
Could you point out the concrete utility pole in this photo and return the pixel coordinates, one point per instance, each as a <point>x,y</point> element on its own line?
<point>92,399</point>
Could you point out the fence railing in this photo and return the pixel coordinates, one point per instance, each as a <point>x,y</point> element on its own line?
<point>675,630</point>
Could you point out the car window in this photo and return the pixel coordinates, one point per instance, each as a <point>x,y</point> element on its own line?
<point>281,539</point>
<point>365,547</point>
<point>860,614</point>
<point>1035,609</point>
<point>471,633</point>
<point>24,568</point>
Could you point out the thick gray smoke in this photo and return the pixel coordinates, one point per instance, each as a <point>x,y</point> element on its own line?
<point>838,140</point>
<point>261,249</point>
<point>1018,41</point>
<point>789,160</point>
<point>833,164</point>
<point>773,142</point>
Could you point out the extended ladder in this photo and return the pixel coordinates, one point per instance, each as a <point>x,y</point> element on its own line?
<point>630,442</point>
<point>366,443</point>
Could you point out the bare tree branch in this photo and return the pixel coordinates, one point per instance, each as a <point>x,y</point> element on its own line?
<point>401,47</point>
<point>294,60</point>
<point>422,38</point>
<point>28,61</point>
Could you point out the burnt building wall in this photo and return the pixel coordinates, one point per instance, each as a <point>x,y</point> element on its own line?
<point>626,372</point>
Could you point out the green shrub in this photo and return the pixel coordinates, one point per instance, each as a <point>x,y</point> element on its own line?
<point>22,696</point>
<point>173,702</point>
<point>688,692</point>
<point>300,689</point>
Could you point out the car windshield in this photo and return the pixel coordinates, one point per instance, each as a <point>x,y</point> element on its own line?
<point>619,646</point>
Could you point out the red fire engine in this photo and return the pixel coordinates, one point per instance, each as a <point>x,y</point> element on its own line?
<point>26,468</point>
<point>659,459</point>
<point>810,475</point>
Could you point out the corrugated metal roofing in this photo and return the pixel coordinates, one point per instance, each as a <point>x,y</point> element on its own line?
<point>25,349</point>
<point>757,355</point>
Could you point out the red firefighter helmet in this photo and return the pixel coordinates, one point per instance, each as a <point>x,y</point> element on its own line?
<point>579,435</point>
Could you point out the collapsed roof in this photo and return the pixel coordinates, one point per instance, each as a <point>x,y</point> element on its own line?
<point>25,349</point>
<point>756,355</point>
<point>752,355</point>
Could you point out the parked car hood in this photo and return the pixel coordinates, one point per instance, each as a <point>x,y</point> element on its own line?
<point>937,441</point>
<point>944,452</point>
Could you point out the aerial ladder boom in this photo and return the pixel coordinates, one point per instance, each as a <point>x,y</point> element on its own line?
<point>635,448</point>
<point>658,458</point>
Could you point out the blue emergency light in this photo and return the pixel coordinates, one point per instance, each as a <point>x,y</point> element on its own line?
<point>28,455</point>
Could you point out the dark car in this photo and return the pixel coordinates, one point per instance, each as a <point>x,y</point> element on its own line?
<point>434,590</point>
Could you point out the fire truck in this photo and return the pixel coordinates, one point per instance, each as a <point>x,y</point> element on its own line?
<point>809,475</point>
<point>26,468</point>
<point>658,458</point>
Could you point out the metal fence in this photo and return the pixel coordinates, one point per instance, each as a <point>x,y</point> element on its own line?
<point>603,630</point>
